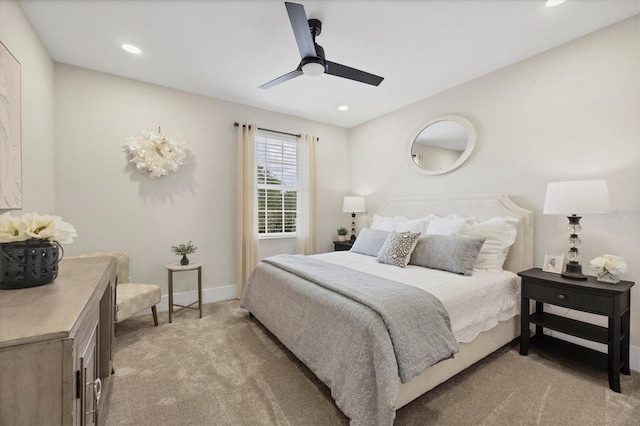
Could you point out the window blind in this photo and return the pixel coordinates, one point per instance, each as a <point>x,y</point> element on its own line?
<point>277,183</point>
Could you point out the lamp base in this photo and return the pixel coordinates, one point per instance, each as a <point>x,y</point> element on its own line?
<point>574,272</point>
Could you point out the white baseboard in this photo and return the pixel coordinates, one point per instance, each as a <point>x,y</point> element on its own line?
<point>209,295</point>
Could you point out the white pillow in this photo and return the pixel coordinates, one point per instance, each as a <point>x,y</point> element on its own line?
<point>450,225</point>
<point>415,225</point>
<point>387,223</point>
<point>500,234</point>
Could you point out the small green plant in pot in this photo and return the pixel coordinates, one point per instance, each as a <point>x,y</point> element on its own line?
<point>183,250</point>
<point>342,233</point>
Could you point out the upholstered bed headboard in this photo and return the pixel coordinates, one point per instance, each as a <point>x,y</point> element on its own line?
<point>479,206</point>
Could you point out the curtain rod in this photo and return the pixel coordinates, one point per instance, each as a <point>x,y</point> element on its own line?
<point>236,124</point>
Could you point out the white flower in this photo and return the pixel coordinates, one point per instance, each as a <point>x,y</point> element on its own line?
<point>156,154</point>
<point>33,225</point>
<point>11,229</point>
<point>613,264</point>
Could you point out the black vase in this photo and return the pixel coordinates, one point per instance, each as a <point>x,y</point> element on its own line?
<point>184,260</point>
<point>29,263</point>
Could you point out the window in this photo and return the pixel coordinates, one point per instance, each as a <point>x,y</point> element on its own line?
<point>277,184</point>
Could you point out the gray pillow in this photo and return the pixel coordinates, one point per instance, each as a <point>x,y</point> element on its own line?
<point>369,241</point>
<point>451,253</point>
<point>397,248</point>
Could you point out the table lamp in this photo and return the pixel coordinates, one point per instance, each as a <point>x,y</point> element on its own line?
<point>573,198</point>
<point>353,205</point>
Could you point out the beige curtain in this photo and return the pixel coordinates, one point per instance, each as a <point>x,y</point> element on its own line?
<point>306,234</point>
<point>247,225</point>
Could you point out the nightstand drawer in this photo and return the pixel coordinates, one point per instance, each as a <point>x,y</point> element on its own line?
<point>589,302</point>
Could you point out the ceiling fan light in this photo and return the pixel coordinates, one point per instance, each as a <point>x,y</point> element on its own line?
<point>312,68</point>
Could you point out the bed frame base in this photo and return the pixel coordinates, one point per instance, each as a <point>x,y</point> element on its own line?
<point>486,343</point>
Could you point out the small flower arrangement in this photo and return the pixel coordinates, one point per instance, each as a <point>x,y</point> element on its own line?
<point>184,249</point>
<point>155,153</point>
<point>35,226</point>
<point>609,267</point>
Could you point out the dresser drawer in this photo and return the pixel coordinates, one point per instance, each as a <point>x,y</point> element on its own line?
<point>569,298</point>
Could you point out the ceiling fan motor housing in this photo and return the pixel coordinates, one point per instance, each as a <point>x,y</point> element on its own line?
<point>313,65</point>
<point>318,59</point>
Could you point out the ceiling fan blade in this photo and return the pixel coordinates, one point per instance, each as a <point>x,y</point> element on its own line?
<point>300,26</point>
<point>281,79</point>
<point>353,74</point>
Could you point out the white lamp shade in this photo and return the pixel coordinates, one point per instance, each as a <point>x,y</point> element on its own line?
<point>577,197</point>
<point>353,205</point>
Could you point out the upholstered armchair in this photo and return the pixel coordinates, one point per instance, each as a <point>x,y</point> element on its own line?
<point>131,298</point>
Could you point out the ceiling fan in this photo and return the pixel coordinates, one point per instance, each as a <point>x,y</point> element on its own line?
<point>313,61</point>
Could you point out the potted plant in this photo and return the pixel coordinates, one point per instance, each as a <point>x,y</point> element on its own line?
<point>342,233</point>
<point>183,250</point>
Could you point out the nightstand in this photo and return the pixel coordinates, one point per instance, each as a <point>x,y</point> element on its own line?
<point>342,245</point>
<point>610,300</point>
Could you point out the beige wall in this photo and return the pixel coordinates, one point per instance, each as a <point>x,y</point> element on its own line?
<point>114,207</point>
<point>16,33</point>
<point>569,113</point>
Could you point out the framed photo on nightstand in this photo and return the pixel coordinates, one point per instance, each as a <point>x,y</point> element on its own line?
<point>553,262</point>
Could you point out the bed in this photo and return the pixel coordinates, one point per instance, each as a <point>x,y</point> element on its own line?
<point>368,377</point>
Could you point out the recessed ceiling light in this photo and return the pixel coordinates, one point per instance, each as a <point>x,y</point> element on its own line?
<point>551,3</point>
<point>131,48</point>
<point>343,107</point>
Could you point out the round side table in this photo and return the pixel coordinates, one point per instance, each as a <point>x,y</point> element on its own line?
<point>177,267</point>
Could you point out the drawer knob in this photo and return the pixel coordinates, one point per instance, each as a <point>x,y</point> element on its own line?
<point>561,296</point>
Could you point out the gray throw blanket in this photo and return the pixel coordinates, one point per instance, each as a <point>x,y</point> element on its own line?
<point>357,332</point>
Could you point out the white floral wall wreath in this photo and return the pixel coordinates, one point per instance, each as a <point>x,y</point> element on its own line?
<point>155,153</point>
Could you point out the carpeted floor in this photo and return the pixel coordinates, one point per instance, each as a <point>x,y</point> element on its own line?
<point>227,369</point>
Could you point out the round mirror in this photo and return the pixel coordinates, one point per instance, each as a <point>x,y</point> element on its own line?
<point>441,145</point>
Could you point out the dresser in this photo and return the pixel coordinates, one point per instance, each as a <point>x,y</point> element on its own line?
<point>56,346</point>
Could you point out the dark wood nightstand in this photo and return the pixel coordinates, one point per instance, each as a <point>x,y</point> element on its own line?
<point>610,300</point>
<point>342,245</point>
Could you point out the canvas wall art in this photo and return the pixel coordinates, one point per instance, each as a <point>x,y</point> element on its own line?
<point>10,131</point>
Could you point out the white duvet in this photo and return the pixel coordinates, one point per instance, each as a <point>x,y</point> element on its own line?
<point>475,303</point>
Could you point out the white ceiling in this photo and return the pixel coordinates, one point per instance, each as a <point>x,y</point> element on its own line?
<point>226,49</point>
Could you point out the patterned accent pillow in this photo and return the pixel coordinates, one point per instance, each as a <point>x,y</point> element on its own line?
<point>450,253</point>
<point>397,248</point>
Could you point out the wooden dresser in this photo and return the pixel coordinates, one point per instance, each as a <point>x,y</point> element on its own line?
<point>56,346</point>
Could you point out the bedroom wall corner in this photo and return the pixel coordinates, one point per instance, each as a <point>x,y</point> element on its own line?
<point>37,92</point>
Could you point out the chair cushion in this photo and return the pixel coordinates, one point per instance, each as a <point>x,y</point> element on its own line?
<point>132,298</point>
